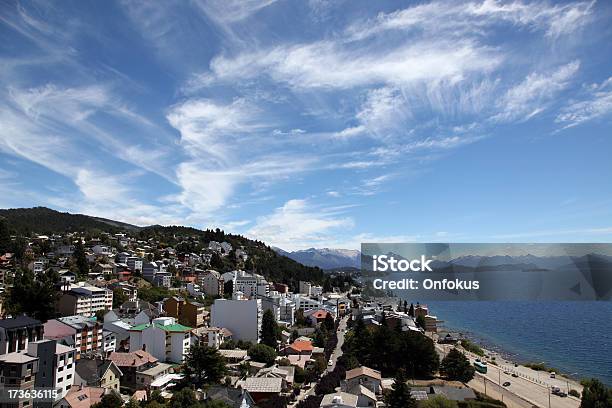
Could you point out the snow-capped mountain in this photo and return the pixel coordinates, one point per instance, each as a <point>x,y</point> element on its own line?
<point>324,258</point>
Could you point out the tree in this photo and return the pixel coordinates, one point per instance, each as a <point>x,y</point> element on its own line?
<point>184,398</point>
<point>300,320</point>
<point>456,367</point>
<point>262,354</point>
<point>329,322</point>
<point>5,237</point>
<point>215,261</point>
<point>269,329</point>
<point>216,404</point>
<point>411,310</point>
<point>132,403</point>
<point>26,289</point>
<point>275,401</point>
<point>119,298</point>
<point>400,397</point>
<point>595,395</point>
<point>100,315</point>
<point>110,400</point>
<point>294,335</point>
<point>438,401</point>
<point>81,260</point>
<point>204,365</point>
<point>420,322</point>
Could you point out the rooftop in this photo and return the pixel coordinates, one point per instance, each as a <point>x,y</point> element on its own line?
<point>356,372</point>
<point>19,321</point>
<point>176,327</point>
<point>17,357</point>
<point>302,345</point>
<point>263,384</point>
<point>136,358</point>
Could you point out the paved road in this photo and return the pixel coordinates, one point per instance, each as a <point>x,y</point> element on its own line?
<point>334,357</point>
<point>338,351</point>
<point>521,389</point>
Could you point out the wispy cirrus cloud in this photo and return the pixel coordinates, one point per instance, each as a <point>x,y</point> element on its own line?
<point>532,95</point>
<point>596,104</point>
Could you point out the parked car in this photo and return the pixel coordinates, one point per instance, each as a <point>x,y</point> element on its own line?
<point>553,375</point>
<point>506,384</point>
<point>330,363</point>
<point>515,375</point>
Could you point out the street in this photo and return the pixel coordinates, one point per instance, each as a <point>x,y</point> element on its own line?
<point>524,390</point>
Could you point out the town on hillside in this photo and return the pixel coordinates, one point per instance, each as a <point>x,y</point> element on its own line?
<point>111,319</point>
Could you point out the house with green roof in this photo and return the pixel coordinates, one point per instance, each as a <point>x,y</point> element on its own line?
<point>163,338</point>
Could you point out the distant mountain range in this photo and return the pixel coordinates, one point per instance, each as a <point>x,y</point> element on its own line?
<point>324,258</point>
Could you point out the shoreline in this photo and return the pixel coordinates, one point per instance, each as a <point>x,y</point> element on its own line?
<point>504,358</point>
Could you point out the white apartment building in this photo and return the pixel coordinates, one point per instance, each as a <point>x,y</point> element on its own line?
<point>56,368</point>
<point>211,283</point>
<point>134,263</point>
<point>305,303</point>
<point>164,338</point>
<point>240,316</point>
<point>85,300</point>
<point>282,307</point>
<point>251,285</point>
<point>305,288</point>
<point>102,250</point>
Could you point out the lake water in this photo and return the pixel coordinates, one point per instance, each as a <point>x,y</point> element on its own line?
<point>574,337</point>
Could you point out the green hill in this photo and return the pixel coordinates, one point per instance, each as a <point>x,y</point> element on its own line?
<point>42,220</point>
<point>262,259</point>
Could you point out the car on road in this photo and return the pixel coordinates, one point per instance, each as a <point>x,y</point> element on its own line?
<point>507,372</point>
<point>506,384</point>
<point>515,375</point>
<point>330,363</point>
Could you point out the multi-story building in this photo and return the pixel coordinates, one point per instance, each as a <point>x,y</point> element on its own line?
<point>129,290</point>
<point>149,269</point>
<point>305,288</point>
<point>242,317</point>
<point>102,250</point>
<point>251,285</point>
<point>305,303</point>
<point>56,365</point>
<point>134,263</point>
<point>211,283</point>
<point>18,372</point>
<point>16,333</point>
<point>164,338</point>
<point>282,307</point>
<point>85,300</point>
<point>191,314</point>
<point>85,333</point>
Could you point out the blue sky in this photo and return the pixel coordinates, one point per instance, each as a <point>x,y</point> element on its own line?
<point>314,123</point>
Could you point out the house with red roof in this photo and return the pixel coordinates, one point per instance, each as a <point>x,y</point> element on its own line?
<point>318,316</point>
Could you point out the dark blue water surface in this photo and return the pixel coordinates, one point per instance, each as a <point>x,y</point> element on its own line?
<point>574,337</point>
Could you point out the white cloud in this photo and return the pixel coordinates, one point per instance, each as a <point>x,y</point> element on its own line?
<point>211,127</point>
<point>232,11</point>
<point>532,96</point>
<point>459,18</point>
<point>297,224</point>
<point>350,132</point>
<point>331,64</point>
<point>596,104</point>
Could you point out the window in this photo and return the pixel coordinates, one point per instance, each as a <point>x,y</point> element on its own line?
<point>69,376</point>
